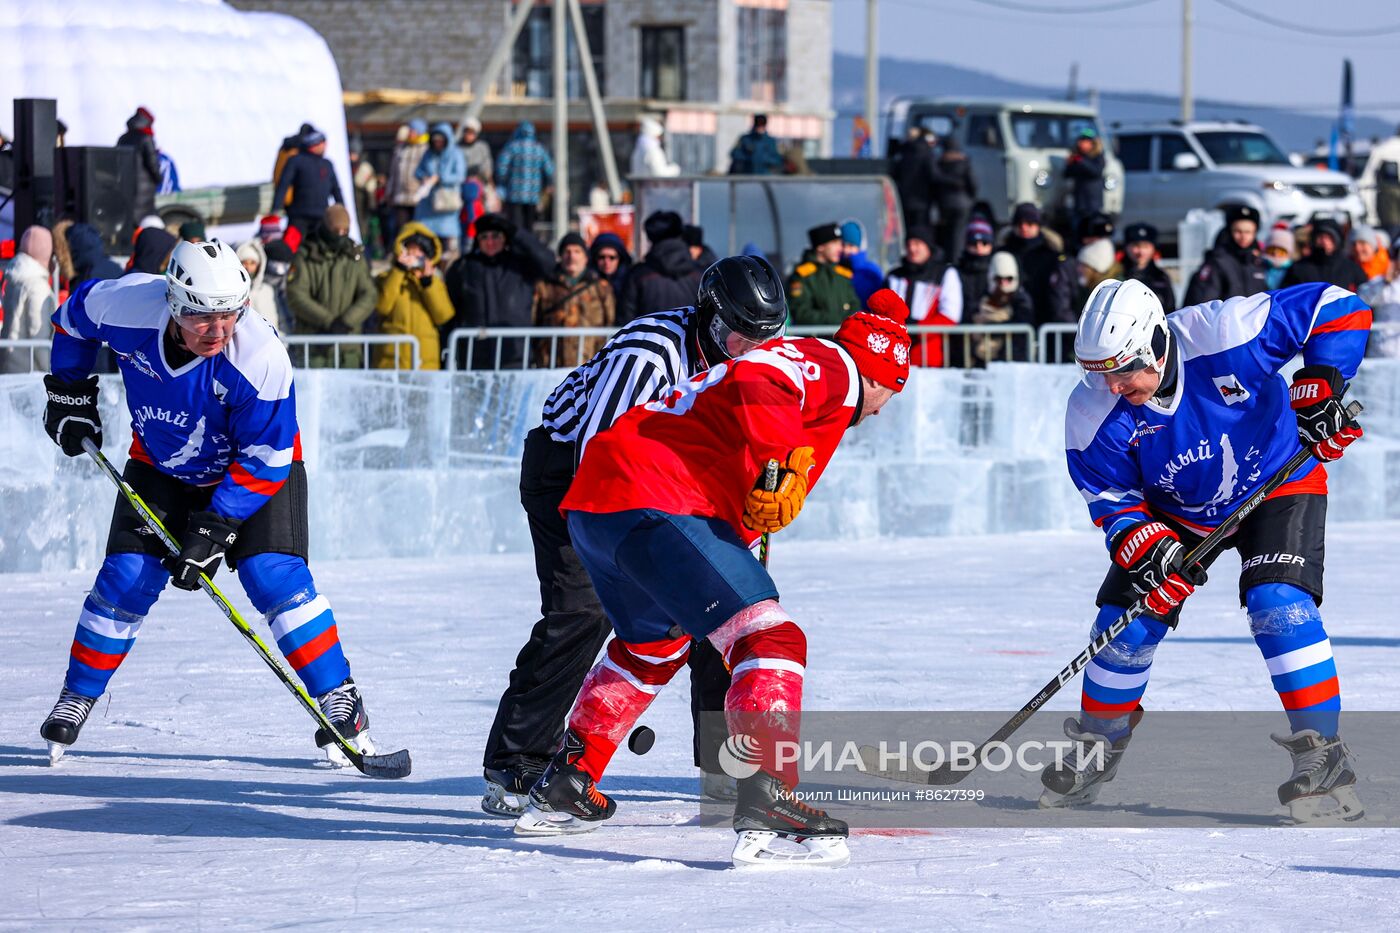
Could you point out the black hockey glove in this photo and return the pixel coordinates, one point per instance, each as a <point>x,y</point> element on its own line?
<point>1323,425</point>
<point>1152,554</point>
<point>71,413</point>
<point>208,536</point>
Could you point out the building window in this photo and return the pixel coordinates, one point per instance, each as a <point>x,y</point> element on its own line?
<point>663,62</point>
<point>533,59</point>
<point>762,55</point>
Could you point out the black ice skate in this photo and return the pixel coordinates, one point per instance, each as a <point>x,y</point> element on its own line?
<point>1076,779</point>
<point>767,810</point>
<point>1323,784</point>
<point>345,709</point>
<point>508,789</point>
<point>65,722</point>
<point>565,799</point>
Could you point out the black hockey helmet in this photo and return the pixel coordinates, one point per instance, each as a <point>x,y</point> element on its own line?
<point>741,297</point>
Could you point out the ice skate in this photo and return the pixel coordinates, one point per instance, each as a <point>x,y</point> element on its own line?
<point>1323,785</point>
<point>768,810</point>
<point>508,790</point>
<point>1075,781</point>
<point>719,787</point>
<point>345,709</point>
<point>564,800</point>
<point>65,722</point>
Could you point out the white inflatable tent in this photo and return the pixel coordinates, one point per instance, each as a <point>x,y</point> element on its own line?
<point>225,86</point>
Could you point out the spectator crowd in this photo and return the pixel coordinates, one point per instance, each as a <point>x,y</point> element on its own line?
<point>450,227</point>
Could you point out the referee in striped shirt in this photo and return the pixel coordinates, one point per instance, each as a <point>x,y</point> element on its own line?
<point>741,303</point>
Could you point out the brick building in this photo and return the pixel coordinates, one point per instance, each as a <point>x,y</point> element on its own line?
<point>704,66</point>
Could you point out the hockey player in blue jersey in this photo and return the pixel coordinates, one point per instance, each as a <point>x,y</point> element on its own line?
<point>215,452</point>
<point>1177,421</point>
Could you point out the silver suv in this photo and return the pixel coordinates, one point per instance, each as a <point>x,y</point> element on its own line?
<point>1174,167</point>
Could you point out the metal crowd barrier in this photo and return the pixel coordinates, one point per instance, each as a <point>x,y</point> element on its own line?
<point>1057,343</point>
<point>17,354</point>
<point>494,348</point>
<point>299,347</point>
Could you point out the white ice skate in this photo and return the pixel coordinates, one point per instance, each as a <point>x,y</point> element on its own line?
<point>1322,788</point>
<point>345,709</point>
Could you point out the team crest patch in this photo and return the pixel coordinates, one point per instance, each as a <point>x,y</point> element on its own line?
<point>1143,429</point>
<point>1230,389</point>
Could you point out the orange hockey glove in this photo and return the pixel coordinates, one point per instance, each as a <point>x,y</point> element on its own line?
<point>770,511</point>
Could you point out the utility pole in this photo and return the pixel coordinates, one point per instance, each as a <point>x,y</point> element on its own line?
<point>872,72</point>
<point>595,103</point>
<point>497,62</point>
<point>1187,105</point>
<point>559,27</point>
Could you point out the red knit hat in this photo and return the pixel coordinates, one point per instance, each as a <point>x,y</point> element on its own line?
<point>878,341</point>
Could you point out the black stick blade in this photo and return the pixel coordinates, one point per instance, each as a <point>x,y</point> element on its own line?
<point>397,765</point>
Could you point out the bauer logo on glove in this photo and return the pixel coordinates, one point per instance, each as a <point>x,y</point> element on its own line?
<point>770,510</point>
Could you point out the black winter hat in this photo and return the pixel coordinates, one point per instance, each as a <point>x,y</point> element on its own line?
<point>1330,227</point>
<point>1140,233</point>
<point>494,223</point>
<point>693,235</point>
<point>1234,212</point>
<point>1026,213</point>
<point>571,239</point>
<point>823,233</point>
<point>663,225</point>
<point>920,232</point>
<point>1096,225</point>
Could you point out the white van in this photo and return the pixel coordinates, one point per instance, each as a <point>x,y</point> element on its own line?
<point>1017,148</point>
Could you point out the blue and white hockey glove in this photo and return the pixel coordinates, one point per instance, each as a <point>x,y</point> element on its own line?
<point>209,535</point>
<point>71,413</point>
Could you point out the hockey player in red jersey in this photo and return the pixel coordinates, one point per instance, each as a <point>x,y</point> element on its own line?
<point>663,511</point>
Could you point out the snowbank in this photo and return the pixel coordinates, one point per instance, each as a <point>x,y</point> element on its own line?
<point>427,464</point>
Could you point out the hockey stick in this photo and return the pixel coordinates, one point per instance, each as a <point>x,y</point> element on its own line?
<point>954,772</point>
<point>770,483</point>
<point>395,765</point>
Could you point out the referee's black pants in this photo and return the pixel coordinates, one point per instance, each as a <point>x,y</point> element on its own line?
<point>572,629</point>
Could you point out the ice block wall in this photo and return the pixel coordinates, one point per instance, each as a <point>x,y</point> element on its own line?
<point>427,464</point>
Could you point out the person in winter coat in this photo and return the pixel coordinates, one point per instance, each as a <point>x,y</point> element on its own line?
<point>401,184</point>
<point>477,151</point>
<point>329,289</point>
<point>649,158</point>
<point>954,189</point>
<point>972,268</point>
<point>150,251</point>
<point>1140,263</point>
<point>524,171</point>
<point>494,286</point>
<point>667,277</point>
<point>291,145</point>
<point>1279,253</point>
<point>442,171</point>
<point>27,301</point>
<point>263,296</point>
<point>572,296</point>
<point>1065,292</point>
<point>820,290</point>
<point>1233,266</point>
<point>1368,253</point>
<point>866,276</point>
<point>1004,302</point>
<point>310,178</point>
<point>1326,261</point>
<point>1383,295</point>
<point>608,256</point>
<point>920,280</point>
<point>140,135</point>
<point>1084,171</point>
<point>413,300</point>
<point>1035,254</point>
<point>90,260</point>
<point>699,250</point>
<point>915,171</point>
<point>756,153</point>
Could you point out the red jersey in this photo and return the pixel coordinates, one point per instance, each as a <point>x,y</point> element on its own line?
<point>701,449</point>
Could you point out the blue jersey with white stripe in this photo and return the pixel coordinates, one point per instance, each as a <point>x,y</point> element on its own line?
<point>1228,427</point>
<point>228,420</point>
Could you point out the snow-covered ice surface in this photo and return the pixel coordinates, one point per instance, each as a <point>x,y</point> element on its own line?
<point>192,799</point>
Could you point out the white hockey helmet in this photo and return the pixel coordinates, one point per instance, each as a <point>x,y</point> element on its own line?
<point>206,278</point>
<point>1122,329</point>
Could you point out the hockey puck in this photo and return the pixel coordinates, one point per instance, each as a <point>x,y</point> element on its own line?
<point>641,740</point>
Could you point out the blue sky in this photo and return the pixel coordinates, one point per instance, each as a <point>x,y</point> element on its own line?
<point>1139,49</point>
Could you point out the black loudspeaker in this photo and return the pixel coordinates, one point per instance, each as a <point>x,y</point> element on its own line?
<point>36,129</point>
<point>97,185</point>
